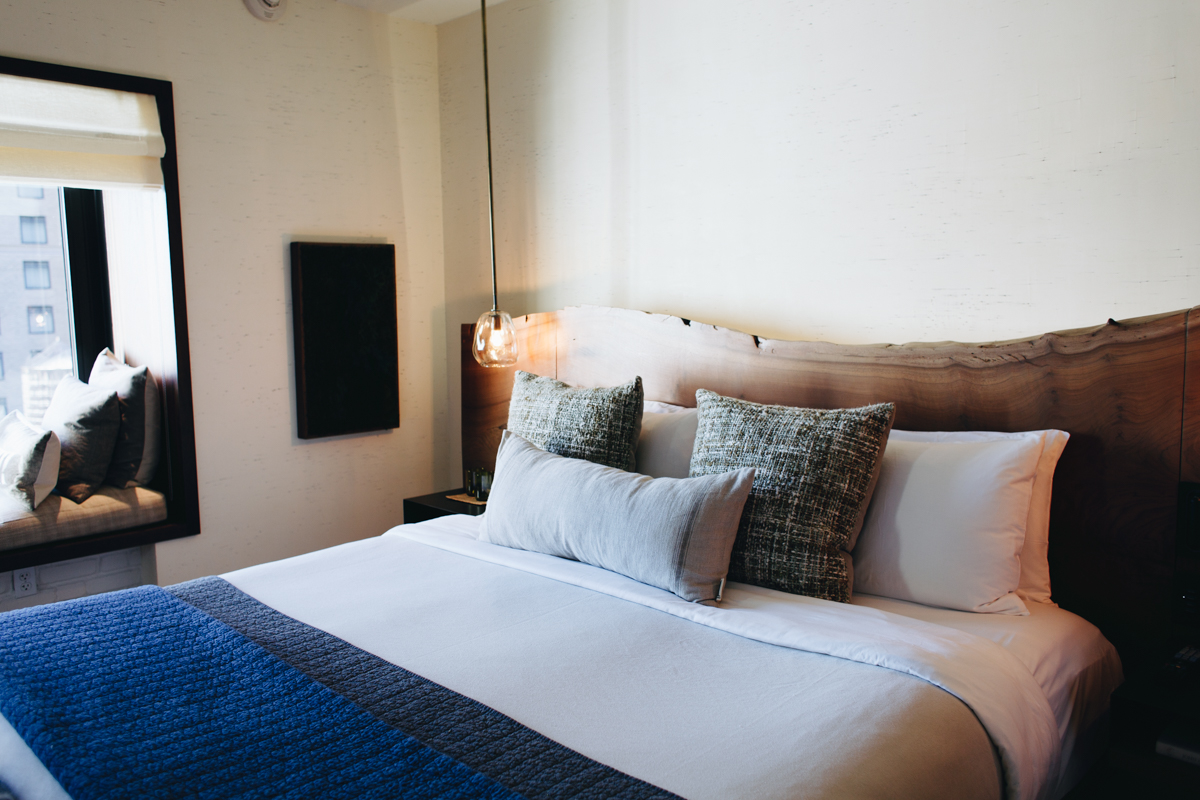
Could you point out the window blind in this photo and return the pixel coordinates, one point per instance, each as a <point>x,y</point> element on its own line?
<point>76,135</point>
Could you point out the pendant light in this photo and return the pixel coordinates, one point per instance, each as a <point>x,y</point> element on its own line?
<point>495,342</point>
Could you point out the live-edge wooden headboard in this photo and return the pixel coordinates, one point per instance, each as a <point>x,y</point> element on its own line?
<point>1127,392</point>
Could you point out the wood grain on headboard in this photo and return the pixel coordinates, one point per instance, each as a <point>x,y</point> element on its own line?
<point>1118,389</point>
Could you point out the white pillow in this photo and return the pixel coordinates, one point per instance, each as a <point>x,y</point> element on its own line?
<point>29,458</point>
<point>665,446</point>
<point>656,407</point>
<point>1035,564</point>
<point>947,523</point>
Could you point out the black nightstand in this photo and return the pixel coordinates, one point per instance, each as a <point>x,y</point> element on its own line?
<point>1147,704</point>
<point>430,506</point>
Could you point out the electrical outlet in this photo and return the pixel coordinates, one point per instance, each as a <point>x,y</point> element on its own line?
<point>24,582</point>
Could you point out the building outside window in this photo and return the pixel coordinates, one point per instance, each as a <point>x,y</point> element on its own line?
<point>1,366</point>
<point>37,274</point>
<point>33,230</point>
<point>3,406</point>
<point>33,284</point>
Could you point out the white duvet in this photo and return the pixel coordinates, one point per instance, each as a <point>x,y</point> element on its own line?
<point>993,683</point>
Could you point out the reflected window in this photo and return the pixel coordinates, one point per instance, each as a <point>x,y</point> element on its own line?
<point>31,192</point>
<point>37,274</point>
<point>33,230</point>
<point>41,319</point>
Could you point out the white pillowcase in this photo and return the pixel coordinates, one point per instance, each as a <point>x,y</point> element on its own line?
<point>29,459</point>
<point>1035,563</point>
<point>668,437</point>
<point>947,523</point>
<point>656,407</point>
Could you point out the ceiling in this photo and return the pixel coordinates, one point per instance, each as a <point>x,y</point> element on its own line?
<point>434,12</point>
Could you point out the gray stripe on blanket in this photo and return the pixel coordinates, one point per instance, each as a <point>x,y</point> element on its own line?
<point>480,737</point>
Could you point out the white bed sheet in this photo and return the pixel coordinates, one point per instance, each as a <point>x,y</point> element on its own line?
<point>1077,668</point>
<point>392,620</point>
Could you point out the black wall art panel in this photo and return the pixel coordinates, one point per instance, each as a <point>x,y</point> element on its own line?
<point>347,357</point>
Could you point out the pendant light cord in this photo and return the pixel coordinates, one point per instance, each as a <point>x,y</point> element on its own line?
<point>487,111</point>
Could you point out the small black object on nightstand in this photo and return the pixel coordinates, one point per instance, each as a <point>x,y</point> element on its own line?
<point>438,504</point>
<point>1156,729</point>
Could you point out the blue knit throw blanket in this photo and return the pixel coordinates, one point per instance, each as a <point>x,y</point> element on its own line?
<point>138,694</point>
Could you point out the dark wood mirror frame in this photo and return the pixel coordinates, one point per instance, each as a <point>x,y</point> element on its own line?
<point>177,477</point>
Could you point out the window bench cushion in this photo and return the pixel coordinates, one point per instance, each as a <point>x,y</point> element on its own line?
<point>57,518</point>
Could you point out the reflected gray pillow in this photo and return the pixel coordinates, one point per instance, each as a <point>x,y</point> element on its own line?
<point>86,420</point>
<point>135,454</point>
<point>673,533</point>
<point>29,459</point>
<point>598,425</point>
<point>813,480</point>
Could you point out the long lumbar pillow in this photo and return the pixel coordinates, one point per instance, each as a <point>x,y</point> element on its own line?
<point>673,533</point>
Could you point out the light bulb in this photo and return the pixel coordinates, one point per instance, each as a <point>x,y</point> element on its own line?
<point>495,342</point>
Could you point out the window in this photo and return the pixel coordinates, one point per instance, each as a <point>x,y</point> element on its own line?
<point>33,230</point>
<point>32,192</point>
<point>3,406</point>
<point>37,274</point>
<point>41,319</point>
<point>2,369</point>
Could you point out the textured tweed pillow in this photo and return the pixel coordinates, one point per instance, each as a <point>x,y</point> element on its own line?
<point>813,478</point>
<point>597,425</point>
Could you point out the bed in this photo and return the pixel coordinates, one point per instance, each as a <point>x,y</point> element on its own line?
<point>494,671</point>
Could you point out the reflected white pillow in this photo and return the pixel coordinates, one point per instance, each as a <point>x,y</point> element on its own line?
<point>29,458</point>
<point>947,523</point>
<point>1035,563</point>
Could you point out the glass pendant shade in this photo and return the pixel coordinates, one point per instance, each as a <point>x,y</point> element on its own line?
<point>495,343</point>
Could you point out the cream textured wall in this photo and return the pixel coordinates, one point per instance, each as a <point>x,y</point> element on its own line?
<point>321,126</point>
<point>845,170</point>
